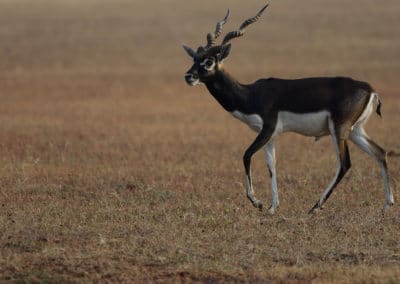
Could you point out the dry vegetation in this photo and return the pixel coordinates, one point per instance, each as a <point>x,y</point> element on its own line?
<point>113,169</point>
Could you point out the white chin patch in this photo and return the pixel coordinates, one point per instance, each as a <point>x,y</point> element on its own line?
<point>194,82</point>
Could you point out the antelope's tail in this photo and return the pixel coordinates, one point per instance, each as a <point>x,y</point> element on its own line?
<point>378,104</point>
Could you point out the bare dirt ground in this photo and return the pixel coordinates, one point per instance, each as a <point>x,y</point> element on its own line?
<point>113,169</point>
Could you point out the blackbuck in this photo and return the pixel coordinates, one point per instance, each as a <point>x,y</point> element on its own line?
<point>316,107</point>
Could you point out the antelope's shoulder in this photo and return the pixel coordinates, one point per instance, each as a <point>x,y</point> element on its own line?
<point>254,121</point>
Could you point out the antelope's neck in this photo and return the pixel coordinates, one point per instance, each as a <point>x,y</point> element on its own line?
<point>228,92</point>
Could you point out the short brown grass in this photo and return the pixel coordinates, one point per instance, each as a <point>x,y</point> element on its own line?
<point>113,169</point>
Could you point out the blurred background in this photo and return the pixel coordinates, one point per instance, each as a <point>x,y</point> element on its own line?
<point>143,38</point>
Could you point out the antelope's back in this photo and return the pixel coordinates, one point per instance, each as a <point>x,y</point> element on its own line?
<point>306,95</point>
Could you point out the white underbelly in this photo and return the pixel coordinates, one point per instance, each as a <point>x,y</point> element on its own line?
<point>308,124</point>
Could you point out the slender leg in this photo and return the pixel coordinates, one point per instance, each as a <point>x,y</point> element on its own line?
<point>270,157</point>
<point>342,152</point>
<point>361,139</point>
<point>260,141</point>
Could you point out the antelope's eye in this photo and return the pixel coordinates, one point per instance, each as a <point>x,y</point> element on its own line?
<point>208,63</point>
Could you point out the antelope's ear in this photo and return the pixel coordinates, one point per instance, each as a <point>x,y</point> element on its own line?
<point>225,49</point>
<point>189,51</point>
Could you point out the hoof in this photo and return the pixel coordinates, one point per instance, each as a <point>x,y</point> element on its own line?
<point>271,210</point>
<point>317,205</point>
<point>387,206</point>
<point>314,209</point>
<point>258,204</point>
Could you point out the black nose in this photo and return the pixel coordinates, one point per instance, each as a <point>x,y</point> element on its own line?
<point>192,76</point>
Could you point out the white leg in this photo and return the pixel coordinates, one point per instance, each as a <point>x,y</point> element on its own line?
<point>361,139</point>
<point>388,191</point>
<point>250,193</point>
<point>270,157</point>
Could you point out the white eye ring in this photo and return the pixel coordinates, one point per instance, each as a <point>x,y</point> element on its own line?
<point>208,64</point>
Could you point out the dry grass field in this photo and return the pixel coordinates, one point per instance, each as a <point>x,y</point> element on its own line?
<point>113,169</point>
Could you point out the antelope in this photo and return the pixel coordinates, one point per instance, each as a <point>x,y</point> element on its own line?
<point>316,107</point>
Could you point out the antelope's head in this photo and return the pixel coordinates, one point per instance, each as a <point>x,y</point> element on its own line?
<point>208,59</point>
